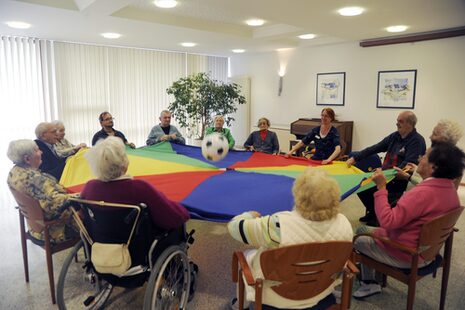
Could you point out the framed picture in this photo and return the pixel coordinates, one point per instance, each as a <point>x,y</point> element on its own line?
<point>396,89</point>
<point>330,88</point>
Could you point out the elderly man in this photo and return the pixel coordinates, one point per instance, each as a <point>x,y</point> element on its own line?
<point>164,131</point>
<point>401,147</point>
<point>106,121</point>
<point>53,164</point>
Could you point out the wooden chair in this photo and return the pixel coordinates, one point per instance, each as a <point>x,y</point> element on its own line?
<point>303,271</point>
<point>30,209</point>
<point>433,235</point>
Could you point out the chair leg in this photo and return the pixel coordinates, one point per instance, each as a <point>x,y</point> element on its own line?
<point>445,271</point>
<point>51,279</point>
<point>411,294</point>
<point>24,246</point>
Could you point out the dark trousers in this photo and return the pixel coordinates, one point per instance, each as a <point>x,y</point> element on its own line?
<point>395,190</point>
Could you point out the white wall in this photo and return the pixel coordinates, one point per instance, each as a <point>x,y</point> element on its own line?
<point>440,89</point>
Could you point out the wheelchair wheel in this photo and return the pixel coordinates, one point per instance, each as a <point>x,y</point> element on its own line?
<point>168,286</point>
<point>79,287</point>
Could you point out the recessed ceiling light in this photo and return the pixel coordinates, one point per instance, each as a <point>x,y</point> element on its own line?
<point>111,35</point>
<point>165,4</point>
<point>238,50</point>
<point>307,36</point>
<point>351,11</point>
<point>282,49</point>
<point>18,25</point>
<point>255,22</point>
<point>188,44</point>
<point>398,28</point>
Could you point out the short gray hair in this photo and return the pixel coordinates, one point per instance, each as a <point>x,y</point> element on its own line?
<point>58,123</point>
<point>165,111</point>
<point>217,117</point>
<point>41,128</point>
<point>411,118</point>
<point>20,148</point>
<point>450,130</point>
<point>108,159</point>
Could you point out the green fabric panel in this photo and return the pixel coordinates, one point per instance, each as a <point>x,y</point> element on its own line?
<point>163,151</point>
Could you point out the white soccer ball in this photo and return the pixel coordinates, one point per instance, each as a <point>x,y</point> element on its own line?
<point>215,147</point>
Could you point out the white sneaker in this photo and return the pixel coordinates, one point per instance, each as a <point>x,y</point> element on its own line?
<point>366,290</point>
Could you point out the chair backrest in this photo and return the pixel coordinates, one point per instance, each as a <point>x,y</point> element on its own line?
<point>305,270</point>
<point>434,233</point>
<point>30,208</point>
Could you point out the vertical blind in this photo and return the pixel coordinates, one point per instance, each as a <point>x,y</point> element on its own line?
<point>43,80</point>
<point>129,83</point>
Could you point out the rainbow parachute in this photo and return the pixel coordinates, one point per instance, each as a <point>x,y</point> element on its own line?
<point>242,181</point>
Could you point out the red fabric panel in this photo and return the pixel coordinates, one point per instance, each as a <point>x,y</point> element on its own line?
<point>266,160</point>
<point>177,186</point>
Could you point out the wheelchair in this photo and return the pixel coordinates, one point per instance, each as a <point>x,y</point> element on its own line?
<point>159,258</point>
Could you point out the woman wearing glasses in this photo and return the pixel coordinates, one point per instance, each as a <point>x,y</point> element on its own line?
<point>263,140</point>
<point>325,137</point>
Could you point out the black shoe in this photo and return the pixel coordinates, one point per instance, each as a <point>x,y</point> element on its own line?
<point>372,223</point>
<point>367,217</point>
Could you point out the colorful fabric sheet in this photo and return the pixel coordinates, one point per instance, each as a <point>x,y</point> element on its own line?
<point>217,191</point>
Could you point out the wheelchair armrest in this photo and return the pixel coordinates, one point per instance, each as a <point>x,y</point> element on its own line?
<point>239,262</point>
<point>394,244</point>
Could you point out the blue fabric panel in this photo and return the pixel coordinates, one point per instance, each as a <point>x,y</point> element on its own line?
<point>196,152</point>
<point>224,196</point>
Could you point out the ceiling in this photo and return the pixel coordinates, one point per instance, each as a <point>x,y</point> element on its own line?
<point>218,26</point>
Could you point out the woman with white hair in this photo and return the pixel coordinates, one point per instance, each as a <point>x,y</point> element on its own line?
<point>445,131</point>
<point>218,122</point>
<point>109,163</point>
<point>63,147</point>
<point>315,218</point>
<point>26,178</point>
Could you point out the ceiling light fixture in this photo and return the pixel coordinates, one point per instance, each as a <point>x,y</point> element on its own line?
<point>351,11</point>
<point>18,25</point>
<point>238,50</point>
<point>307,36</point>
<point>165,4</point>
<point>255,22</point>
<point>111,35</point>
<point>188,44</point>
<point>398,28</point>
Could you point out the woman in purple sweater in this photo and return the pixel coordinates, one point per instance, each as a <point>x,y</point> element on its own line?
<point>109,163</point>
<point>435,196</point>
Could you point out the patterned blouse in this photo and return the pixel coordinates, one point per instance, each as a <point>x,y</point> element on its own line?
<point>46,190</point>
<point>64,148</point>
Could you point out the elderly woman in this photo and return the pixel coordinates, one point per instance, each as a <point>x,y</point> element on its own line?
<point>445,131</point>
<point>225,132</point>
<point>325,137</point>
<point>63,147</point>
<point>26,177</point>
<point>109,163</point>
<point>315,218</point>
<point>435,196</point>
<point>263,140</point>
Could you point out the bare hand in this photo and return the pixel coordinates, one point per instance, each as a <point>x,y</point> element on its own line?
<point>165,138</point>
<point>132,145</point>
<point>401,174</point>
<point>325,162</point>
<point>173,136</point>
<point>379,179</point>
<point>350,162</point>
<point>251,148</point>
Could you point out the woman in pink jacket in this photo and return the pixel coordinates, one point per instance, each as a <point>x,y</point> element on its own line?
<point>435,196</point>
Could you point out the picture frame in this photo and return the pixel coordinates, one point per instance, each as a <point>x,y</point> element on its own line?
<point>396,89</point>
<point>330,88</point>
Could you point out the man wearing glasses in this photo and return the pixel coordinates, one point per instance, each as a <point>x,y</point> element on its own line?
<point>46,134</point>
<point>106,121</point>
<point>402,147</point>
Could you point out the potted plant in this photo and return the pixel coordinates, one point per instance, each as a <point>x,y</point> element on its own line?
<point>198,98</point>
